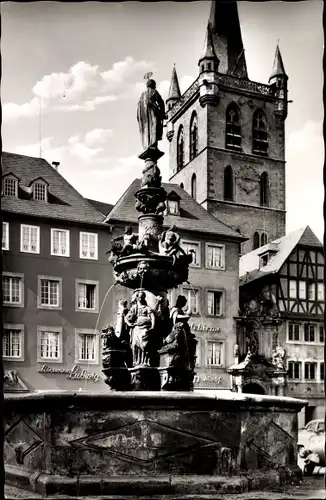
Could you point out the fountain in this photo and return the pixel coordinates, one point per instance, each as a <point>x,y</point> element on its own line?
<point>151,434</point>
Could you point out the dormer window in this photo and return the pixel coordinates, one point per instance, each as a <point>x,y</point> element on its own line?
<point>173,204</point>
<point>10,186</point>
<point>40,191</point>
<point>265,256</point>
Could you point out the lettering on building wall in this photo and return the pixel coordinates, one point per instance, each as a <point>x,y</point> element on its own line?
<point>74,373</point>
<point>204,328</point>
<point>208,378</point>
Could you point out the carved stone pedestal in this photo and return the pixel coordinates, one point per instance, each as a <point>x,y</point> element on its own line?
<point>144,378</point>
<point>174,376</point>
<point>176,379</point>
<point>115,370</point>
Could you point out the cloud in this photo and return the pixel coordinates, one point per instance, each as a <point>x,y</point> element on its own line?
<point>85,148</point>
<point>304,173</point>
<point>83,88</point>
<point>97,136</point>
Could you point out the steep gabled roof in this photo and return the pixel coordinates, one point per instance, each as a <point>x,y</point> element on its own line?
<point>249,263</point>
<point>193,217</point>
<point>101,206</point>
<point>70,205</point>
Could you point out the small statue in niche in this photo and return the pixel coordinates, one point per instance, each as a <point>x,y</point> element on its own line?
<point>252,345</point>
<point>181,334</point>
<point>236,353</point>
<point>278,356</point>
<point>129,241</point>
<point>141,320</point>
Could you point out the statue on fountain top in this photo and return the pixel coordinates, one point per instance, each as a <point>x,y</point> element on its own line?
<point>150,115</point>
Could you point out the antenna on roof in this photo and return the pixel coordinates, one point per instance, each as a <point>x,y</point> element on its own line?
<point>40,127</point>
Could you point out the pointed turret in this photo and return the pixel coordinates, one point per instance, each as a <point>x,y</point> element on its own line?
<point>278,66</point>
<point>174,92</point>
<point>208,68</point>
<point>227,40</point>
<point>278,82</point>
<point>208,60</point>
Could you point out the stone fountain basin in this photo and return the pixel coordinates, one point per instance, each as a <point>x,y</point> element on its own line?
<point>153,443</point>
<point>160,275</point>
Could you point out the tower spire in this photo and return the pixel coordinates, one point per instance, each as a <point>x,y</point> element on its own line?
<point>227,40</point>
<point>174,91</point>
<point>278,66</point>
<point>208,53</point>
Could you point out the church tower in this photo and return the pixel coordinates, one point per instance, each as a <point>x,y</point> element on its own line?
<point>226,134</point>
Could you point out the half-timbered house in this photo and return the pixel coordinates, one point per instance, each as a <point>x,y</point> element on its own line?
<point>281,321</point>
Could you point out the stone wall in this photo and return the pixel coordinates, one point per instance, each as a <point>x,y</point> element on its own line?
<point>65,442</point>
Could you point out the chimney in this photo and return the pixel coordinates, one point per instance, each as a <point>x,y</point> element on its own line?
<point>56,165</point>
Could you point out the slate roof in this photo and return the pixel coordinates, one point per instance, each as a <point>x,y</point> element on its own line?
<point>249,263</point>
<point>68,204</point>
<point>193,217</point>
<point>101,206</point>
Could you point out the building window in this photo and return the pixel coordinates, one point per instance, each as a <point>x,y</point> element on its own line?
<point>312,291</point>
<point>214,303</point>
<point>172,207</point>
<point>259,133</point>
<point>29,239</point>
<point>60,244</point>
<point>264,190</point>
<point>86,346</point>
<point>292,289</point>
<point>228,183</point>
<point>233,128</point>
<point>302,290</point>
<point>40,191</point>
<point>192,297</point>
<point>181,185</point>
<point>294,370</point>
<point>193,186</point>
<point>10,186</point>
<point>13,342</point>
<point>88,246</point>
<point>263,239</point>
<point>180,149</point>
<point>255,241</point>
<point>193,136</point>
<point>13,289</point>
<point>322,371</point>
<point>310,371</point>
<point>294,332</point>
<point>321,334</point>
<point>309,333</point>
<point>49,292</point>
<point>49,344</point>
<point>214,353</point>
<point>193,248</point>
<point>214,256</point>
<point>5,236</point>
<point>87,296</point>
<point>320,291</point>
<point>198,352</point>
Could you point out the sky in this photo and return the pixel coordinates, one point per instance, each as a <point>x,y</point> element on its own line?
<point>72,74</point>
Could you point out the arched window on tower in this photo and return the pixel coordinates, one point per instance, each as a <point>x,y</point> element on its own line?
<point>256,241</point>
<point>263,239</point>
<point>228,183</point>
<point>259,133</point>
<point>193,186</point>
<point>264,190</point>
<point>232,128</point>
<point>193,136</point>
<point>180,149</point>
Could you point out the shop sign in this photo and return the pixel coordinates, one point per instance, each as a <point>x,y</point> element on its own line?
<point>207,378</point>
<point>74,373</point>
<point>204,328</point>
